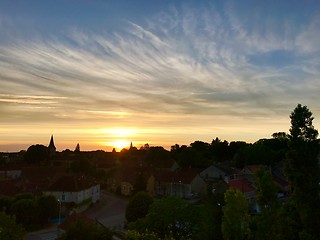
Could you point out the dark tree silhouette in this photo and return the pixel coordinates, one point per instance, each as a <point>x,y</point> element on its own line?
<point>301,125</point>
<point>36,154</point>
<point>303,171</point>
<point>138,206</point>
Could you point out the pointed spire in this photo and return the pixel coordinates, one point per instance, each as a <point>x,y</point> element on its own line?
<point>51,144</point>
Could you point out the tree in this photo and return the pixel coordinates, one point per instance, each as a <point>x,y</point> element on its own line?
<point>211,218</point>
<point>140,184</point>
<point>5,203</point>
<point>289,223</point>
<point>235,220</point>
<point>188,157</point>
<point>266,191</point>
<point>138,206</point>
<point>259,153</point>
<point>302,170</point>
<point>220,150</point>
<point>280,135</point>
<point>9,229</point>
<point>266,195</point>
<point>25,210</point>
<point>174,217</point>
<point>236,152</point>
<point>36,154</point>
<point>47,207</point>
<point>134,235</point>
<point>82,229</point>
<point>301,124</point>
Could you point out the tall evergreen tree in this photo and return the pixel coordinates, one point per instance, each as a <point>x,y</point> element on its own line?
<point>301,125</point>
<point>303,171</point>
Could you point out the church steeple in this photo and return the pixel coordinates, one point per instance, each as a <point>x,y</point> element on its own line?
<point>51,146</point>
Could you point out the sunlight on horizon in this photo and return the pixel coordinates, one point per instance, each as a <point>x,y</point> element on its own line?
<point>120,144</point>
<point>120,136</point>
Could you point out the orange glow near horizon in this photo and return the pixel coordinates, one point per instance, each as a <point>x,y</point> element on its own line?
<point>122,137</point>
<point>120,144</point>
<point>120,132</point>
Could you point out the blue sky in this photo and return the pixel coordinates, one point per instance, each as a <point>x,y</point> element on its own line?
<point>105,73</point>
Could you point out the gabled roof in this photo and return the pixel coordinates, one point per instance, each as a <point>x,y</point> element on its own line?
<point>186,175</point>
<point>241,184</point>
<point>212,172</point>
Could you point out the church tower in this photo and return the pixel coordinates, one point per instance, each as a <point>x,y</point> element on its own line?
<point>51,147</point>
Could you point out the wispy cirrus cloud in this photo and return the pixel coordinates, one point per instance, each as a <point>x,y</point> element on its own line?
<point>180,65</point>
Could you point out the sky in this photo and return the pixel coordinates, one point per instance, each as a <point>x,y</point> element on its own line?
<point>104,73</point>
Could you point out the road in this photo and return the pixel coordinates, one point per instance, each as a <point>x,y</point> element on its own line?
<point>110,212</point>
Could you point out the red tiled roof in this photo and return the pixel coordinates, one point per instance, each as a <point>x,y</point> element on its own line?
<point>241,184</point>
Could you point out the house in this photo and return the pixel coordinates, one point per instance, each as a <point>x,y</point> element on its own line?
<point>75,189</point>
<point>244,186</point>
<point>181,183</point>
<point>284,187</point>
<point>212,174</point>
<point>250,171</point>
<point>159,183</point>
<point>127,183</point>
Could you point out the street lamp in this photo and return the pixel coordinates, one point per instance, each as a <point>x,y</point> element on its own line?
<point>58,233</point>
<point>59,212</point>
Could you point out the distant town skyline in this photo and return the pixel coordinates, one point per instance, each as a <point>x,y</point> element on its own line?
<point>107,73</point>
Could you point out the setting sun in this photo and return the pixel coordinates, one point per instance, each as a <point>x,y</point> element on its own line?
<point>120,144</point>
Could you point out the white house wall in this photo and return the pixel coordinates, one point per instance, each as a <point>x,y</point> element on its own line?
<point>92,193</point>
